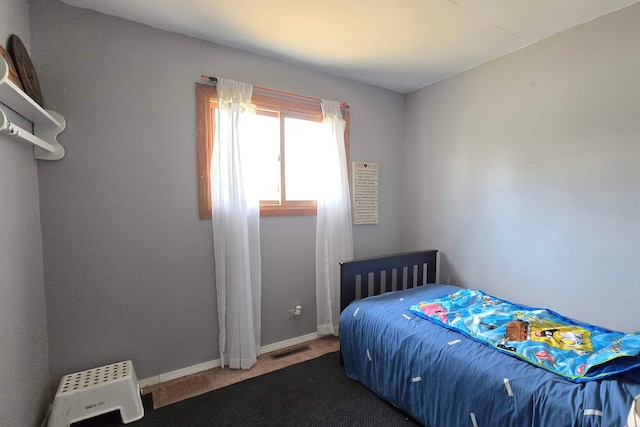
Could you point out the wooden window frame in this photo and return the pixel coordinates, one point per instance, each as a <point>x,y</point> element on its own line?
<point>206,97</point>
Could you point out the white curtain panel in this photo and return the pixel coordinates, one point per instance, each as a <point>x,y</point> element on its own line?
<point>236,234</point>
<point>334,237</point>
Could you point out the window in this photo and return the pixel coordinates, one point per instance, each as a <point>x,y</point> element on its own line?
<point>283,137</point>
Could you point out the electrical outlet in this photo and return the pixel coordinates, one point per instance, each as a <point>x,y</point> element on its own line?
<point>296,312</point>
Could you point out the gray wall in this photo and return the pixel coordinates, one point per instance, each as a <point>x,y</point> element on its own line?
<point>24,369</point>
<point>128,264</point>
<point>522,172</point>
<point>525,173</point>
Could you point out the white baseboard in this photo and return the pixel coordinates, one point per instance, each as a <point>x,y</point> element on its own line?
<point>288,343</point>
<point>45,421</point>
<point>146,382</point>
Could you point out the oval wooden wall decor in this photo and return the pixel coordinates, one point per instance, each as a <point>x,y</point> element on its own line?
<point>13,74</point>
<point>25,69</point>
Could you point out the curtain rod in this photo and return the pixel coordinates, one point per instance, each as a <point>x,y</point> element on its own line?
<point>214,80</point>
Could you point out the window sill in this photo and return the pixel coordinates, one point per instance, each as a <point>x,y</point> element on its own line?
<point>277,210</point>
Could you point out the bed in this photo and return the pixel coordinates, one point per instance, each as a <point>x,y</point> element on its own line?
<point>439,376</point>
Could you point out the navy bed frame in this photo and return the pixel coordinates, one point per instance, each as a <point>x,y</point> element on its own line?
<point>365,277</point>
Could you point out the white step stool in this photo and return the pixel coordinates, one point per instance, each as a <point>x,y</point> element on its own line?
<point>97,391</point>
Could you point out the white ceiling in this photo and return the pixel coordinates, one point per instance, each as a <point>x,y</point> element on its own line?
<point>400,45</point>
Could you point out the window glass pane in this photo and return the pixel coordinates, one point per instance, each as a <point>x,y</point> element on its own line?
<point>261,144</point>
<point>302,158</point>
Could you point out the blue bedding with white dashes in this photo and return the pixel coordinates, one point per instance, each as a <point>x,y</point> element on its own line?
<point>443,378</point>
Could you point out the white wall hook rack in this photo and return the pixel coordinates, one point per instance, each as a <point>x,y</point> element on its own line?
<point>47,124</point>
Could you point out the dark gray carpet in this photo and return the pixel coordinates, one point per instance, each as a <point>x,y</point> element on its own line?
<point>312,393</point>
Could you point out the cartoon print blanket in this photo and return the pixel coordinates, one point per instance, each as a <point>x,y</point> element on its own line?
<point>574,350</point>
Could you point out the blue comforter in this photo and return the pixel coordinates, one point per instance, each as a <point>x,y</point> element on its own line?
<point>442,378</point>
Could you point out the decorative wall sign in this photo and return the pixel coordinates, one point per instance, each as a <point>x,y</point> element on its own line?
<point>365,192</point>
<point>13,74</point>
<point>25,69</point>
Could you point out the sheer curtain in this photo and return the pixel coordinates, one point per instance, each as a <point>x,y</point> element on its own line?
<point>334,240</point>
<point>236,234</point>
